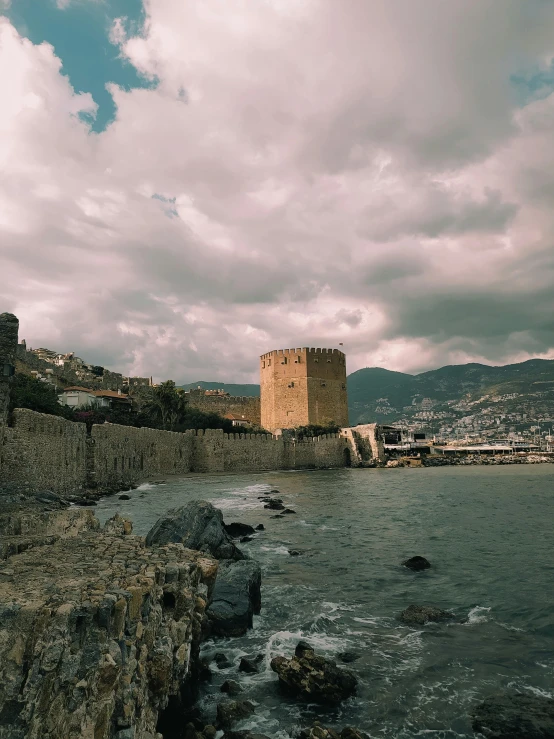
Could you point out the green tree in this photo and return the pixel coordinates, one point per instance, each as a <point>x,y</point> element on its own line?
<point>166,406</point>
<point>27,392</point>
<point>306,432</point>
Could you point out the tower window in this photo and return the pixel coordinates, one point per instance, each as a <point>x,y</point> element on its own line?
<point>284,360</point>
<point>323,384</point>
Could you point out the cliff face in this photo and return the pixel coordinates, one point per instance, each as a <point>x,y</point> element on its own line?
<point>97,631</point>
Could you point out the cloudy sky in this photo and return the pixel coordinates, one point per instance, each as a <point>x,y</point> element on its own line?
<point>187,184</point>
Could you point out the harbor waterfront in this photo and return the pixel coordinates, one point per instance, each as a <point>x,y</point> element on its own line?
<point>487,532</point>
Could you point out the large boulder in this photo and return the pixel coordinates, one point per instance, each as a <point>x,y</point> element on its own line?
<point>318,731</point>
<point>230,712</point>
<point>420,615</point>
<point>314,678</point>
<point>237,530</point>
<point>513,715</point>
<point>236,597</point>
<point>417,563</point>
<point>196,525</point>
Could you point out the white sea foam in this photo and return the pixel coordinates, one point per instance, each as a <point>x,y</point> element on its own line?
<point>275,550</point>
<point>539,692</point>
<point>478,615</point>
<point>147,486</point>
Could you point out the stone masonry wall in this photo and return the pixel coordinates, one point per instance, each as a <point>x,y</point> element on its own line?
<point>122,455</point>
<point>47,452</point>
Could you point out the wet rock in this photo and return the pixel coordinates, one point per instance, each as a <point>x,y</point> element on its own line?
<point>348,657</point>
<point>246,539</point>
<point>260,527</point>
<point>230,712</point>
<point>231,687</point>
<point>274,505</point>
<point>417,563</point>
<point>236,530</point>
<point>289,510</point>
<point>222,661</point>
<point>204,672</point>
<point>294,552</point>
<point>318,731</point>
<point>314,678</point>
<point>244,735</point>
<point>235,598</point>
<point>248,665</point>
<point>209,731</point>
<point>124,497</point>
<point>512,715</point>
<point>197,525</point>
<point>420,615</point>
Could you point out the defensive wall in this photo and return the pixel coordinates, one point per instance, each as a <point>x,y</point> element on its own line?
<point>240,406</point>
<point>48,452</point>
<point>45,452</point>
<point>303,386</point>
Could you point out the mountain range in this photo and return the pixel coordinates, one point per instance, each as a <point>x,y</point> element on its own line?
<point>381,395</point>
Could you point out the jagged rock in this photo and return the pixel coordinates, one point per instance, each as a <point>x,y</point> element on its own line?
<point>294,552</point>
<point>229,712</point>
<point>417,563</point>
<point>247,665</point>
<point>236,530</point>
<point>118,526</point>
<point>124,497</point>
<point>260,527</point>
<point>318,731</point>
<point>289,510</point>
<point>244,735</point>
<point>314,678</point>
<point>197,525</point>
<point>209,731</point>
<point>512,715</point>
<point>348,657</point>
<point>274,504</point>
<point>245,539</point>
<point>420,615</point>
<point>222,661</point>
<point>236,597</point>
<point>231,687</point>
<point>97,632</point>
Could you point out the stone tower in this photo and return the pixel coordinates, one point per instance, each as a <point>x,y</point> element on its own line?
<point>303,386</point>
<point>9,326</point>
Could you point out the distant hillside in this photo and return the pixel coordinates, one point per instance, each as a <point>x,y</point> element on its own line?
<point>375,394</point>
<point>251,391</point>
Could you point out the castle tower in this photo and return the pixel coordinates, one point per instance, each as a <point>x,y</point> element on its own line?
<point>304,386</point>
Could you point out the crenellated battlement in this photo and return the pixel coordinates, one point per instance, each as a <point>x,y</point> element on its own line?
<point>305,350</point>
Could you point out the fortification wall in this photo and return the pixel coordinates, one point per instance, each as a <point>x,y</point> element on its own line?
<point>251,452</point>
<point>46,452</point>
<point>240,406</point>
<point>122,455</point>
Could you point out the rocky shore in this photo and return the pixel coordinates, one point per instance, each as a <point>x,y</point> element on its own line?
<point>100,630</point>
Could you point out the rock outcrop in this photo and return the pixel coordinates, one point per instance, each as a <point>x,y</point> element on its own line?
<point>236,597</point>
<point>197,525</point>
<point>421,615</point>
<point>512,715</point>
<point>314,678</point>
<point>97,632</point>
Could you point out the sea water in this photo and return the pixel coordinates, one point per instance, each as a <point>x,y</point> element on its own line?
<point>488,533</point>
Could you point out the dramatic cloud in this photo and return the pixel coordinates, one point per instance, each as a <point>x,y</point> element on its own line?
<point>379,174</point>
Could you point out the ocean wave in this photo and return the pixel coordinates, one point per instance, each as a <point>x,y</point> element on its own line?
<point>478,615</point>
